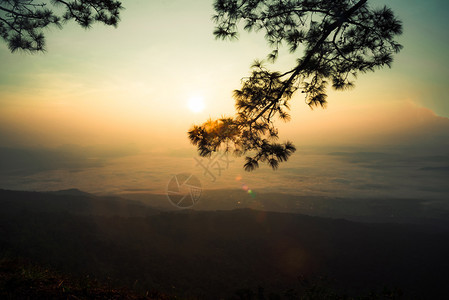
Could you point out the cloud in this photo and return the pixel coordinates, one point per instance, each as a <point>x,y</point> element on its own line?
<point>397,150</point>
<point>373,125</point>
<point>27,161</point>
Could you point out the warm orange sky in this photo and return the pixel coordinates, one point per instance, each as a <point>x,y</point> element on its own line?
<point>132,84</point>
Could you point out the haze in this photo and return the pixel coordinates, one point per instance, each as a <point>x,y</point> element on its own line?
<point>107,110</point>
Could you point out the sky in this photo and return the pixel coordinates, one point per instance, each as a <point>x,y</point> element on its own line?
<point>107,109</point>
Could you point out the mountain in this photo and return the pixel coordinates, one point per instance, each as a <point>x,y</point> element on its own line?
<point>70,192</point>
<point>224,254</point>
<point>71,201</point>
<point>373,210</point>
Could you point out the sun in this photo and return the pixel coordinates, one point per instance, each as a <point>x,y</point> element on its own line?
<point>196,104</point>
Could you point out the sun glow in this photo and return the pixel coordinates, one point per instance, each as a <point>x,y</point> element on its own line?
<point>196,104</point>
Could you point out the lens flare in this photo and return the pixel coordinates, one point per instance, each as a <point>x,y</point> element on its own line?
<point>245,187</point>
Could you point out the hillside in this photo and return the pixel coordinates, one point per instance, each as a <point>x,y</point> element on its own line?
<point>71,201</point>
<point>216,254</point>
<point>371,210</point>
<point>20,279</point>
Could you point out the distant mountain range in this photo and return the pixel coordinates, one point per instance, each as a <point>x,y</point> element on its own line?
<point>373,210</point>
<point>71,201</point>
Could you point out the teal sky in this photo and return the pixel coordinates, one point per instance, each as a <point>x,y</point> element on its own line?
<point>424,62</point>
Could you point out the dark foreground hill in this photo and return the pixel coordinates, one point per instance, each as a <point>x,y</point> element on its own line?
<point>225,254</point>
<point>20,279</point>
